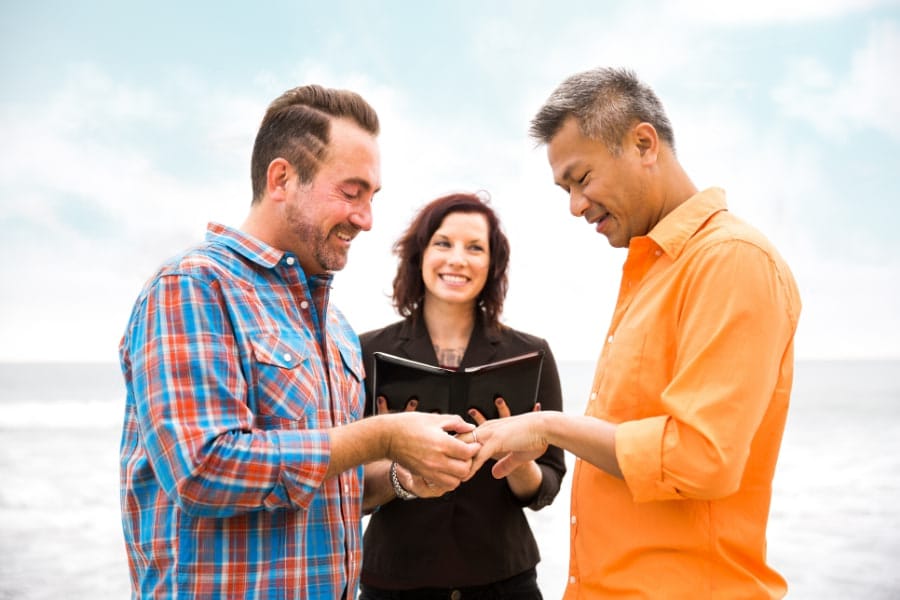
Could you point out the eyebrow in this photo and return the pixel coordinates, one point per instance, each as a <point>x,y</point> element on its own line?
<point>363,183</point>
<point>567,174</point>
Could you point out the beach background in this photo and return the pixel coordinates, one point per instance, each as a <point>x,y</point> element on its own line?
<point>833,530</point>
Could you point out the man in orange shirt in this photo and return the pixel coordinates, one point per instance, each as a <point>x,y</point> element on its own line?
<point>677,449</point>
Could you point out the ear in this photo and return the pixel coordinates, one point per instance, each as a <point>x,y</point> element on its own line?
<point>278,174</point>
<point>646,141</point>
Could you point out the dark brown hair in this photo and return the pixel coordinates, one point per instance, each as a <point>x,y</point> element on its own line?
<point>409,288</point>
<point>296,127</point>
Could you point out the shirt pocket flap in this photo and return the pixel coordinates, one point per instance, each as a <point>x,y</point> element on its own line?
<point>352,361</point>
<point>284,351</point>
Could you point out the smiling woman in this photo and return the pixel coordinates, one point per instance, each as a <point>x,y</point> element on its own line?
<point>450,287</point>
<point>455,263</point>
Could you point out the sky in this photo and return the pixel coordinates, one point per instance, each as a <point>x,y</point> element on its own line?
<point>126,127</point>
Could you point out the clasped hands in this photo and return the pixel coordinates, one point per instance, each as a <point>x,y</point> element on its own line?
<point>512,441</point>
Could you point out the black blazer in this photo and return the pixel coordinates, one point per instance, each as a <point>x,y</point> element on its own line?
<point>478,533</point>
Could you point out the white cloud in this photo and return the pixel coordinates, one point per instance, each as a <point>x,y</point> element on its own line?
<point>868,97</point>
<point>767,11</point>
<point>93,212</point>
<point>104,205</point>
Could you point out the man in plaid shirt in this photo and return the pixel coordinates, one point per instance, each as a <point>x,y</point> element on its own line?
<point>243,445</point>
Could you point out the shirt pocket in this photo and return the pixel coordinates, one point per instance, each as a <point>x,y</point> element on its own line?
<point>351,383</point>
<point>620,387</point>
<point>286,382</point>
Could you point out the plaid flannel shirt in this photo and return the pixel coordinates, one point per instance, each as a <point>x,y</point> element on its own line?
<point>235,366</point>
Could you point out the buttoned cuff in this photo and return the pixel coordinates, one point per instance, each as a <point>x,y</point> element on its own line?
<point>304,456</point>
<point>639,450</point>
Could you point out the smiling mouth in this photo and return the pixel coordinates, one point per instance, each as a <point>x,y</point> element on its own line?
<point>453,279</point>
<point>598,221</point>
<point>344,236</point>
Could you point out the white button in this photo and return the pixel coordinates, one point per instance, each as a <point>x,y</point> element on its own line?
<point>289,260</point>
<point>573,519</point>
<point>346,489</point>
<point>304,305</point>
<point>658,252</point>
<point>593,395</point>
<point>572,579</point>
<point>609,339</point>
<point>287,357</point>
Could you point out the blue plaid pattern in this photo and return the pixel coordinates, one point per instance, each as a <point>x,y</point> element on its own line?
<point>235,367</point>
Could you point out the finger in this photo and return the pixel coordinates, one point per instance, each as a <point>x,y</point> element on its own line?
<point>468,438</point>
<point>427,488</point>
<point>456,425</point>
<point>507,465</point>
<point>537,407</point>
<point>411,405</point>
<point>430,489</point>
<point>381,405</point>
<point>502,407</point>
<point>477,463</point>
<point>477,416</point>
<point>449,474</point>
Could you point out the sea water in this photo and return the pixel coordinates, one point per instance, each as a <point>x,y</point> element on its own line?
<point>833,530</point>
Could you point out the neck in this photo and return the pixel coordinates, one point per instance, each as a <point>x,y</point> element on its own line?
<point>676,186</point>
<point>449,325</point>
<point>255,225</point>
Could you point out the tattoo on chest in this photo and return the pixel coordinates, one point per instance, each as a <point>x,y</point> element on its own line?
<point>449,357</point>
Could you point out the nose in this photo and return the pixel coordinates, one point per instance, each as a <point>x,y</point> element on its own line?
<point>362,216</point>
<point>578,204</point>
<point>457,255</point>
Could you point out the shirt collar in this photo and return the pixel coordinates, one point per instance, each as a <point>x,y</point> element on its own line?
<point>247,246</point>
<point>676,228</point>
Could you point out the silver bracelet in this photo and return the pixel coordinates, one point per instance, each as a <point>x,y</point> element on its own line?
<point>400,491</point>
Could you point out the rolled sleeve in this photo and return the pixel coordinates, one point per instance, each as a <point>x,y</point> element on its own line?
<point>639,450</point>
<point>304,458</point>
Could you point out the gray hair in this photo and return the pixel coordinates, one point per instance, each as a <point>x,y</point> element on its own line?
<point>606,103</point>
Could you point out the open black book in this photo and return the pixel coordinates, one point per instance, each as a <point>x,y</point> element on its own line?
<point>452,391</point>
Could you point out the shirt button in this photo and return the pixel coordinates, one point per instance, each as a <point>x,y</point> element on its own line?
<point>455,595</point>
<point>573,519</point>
<point>593,395</point>
<point>658,253</point>
<point>304,305</point>
<point>287,357</point>
<point>609,340</point>
<point>346,488</point>
<point>289,260</point>
<point>572,579</point>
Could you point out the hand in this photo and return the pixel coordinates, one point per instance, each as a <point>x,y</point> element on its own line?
<point>418,485</point>
<point>420,442</point>
<point>502,410</point>
<point>516,440</point>
<point>382,405</point>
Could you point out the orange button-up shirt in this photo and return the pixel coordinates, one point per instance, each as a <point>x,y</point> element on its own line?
<point>696,371</point>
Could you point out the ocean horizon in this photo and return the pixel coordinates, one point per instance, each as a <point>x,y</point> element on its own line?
<point>832,530</point>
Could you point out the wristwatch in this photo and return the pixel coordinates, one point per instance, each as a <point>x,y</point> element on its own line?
<point>400,491</point>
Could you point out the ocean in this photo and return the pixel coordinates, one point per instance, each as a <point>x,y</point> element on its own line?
<point>834,530</point>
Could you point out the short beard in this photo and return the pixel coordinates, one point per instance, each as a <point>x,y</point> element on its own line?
<point>309,234</point>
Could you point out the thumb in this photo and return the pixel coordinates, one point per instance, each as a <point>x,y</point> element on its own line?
<point>506,465</point>
<point>457,425</point>
<point>477,461</point>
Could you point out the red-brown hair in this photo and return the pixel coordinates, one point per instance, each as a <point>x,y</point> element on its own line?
<point>409,288</point>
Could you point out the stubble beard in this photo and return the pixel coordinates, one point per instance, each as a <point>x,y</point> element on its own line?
<point>308,234</point>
